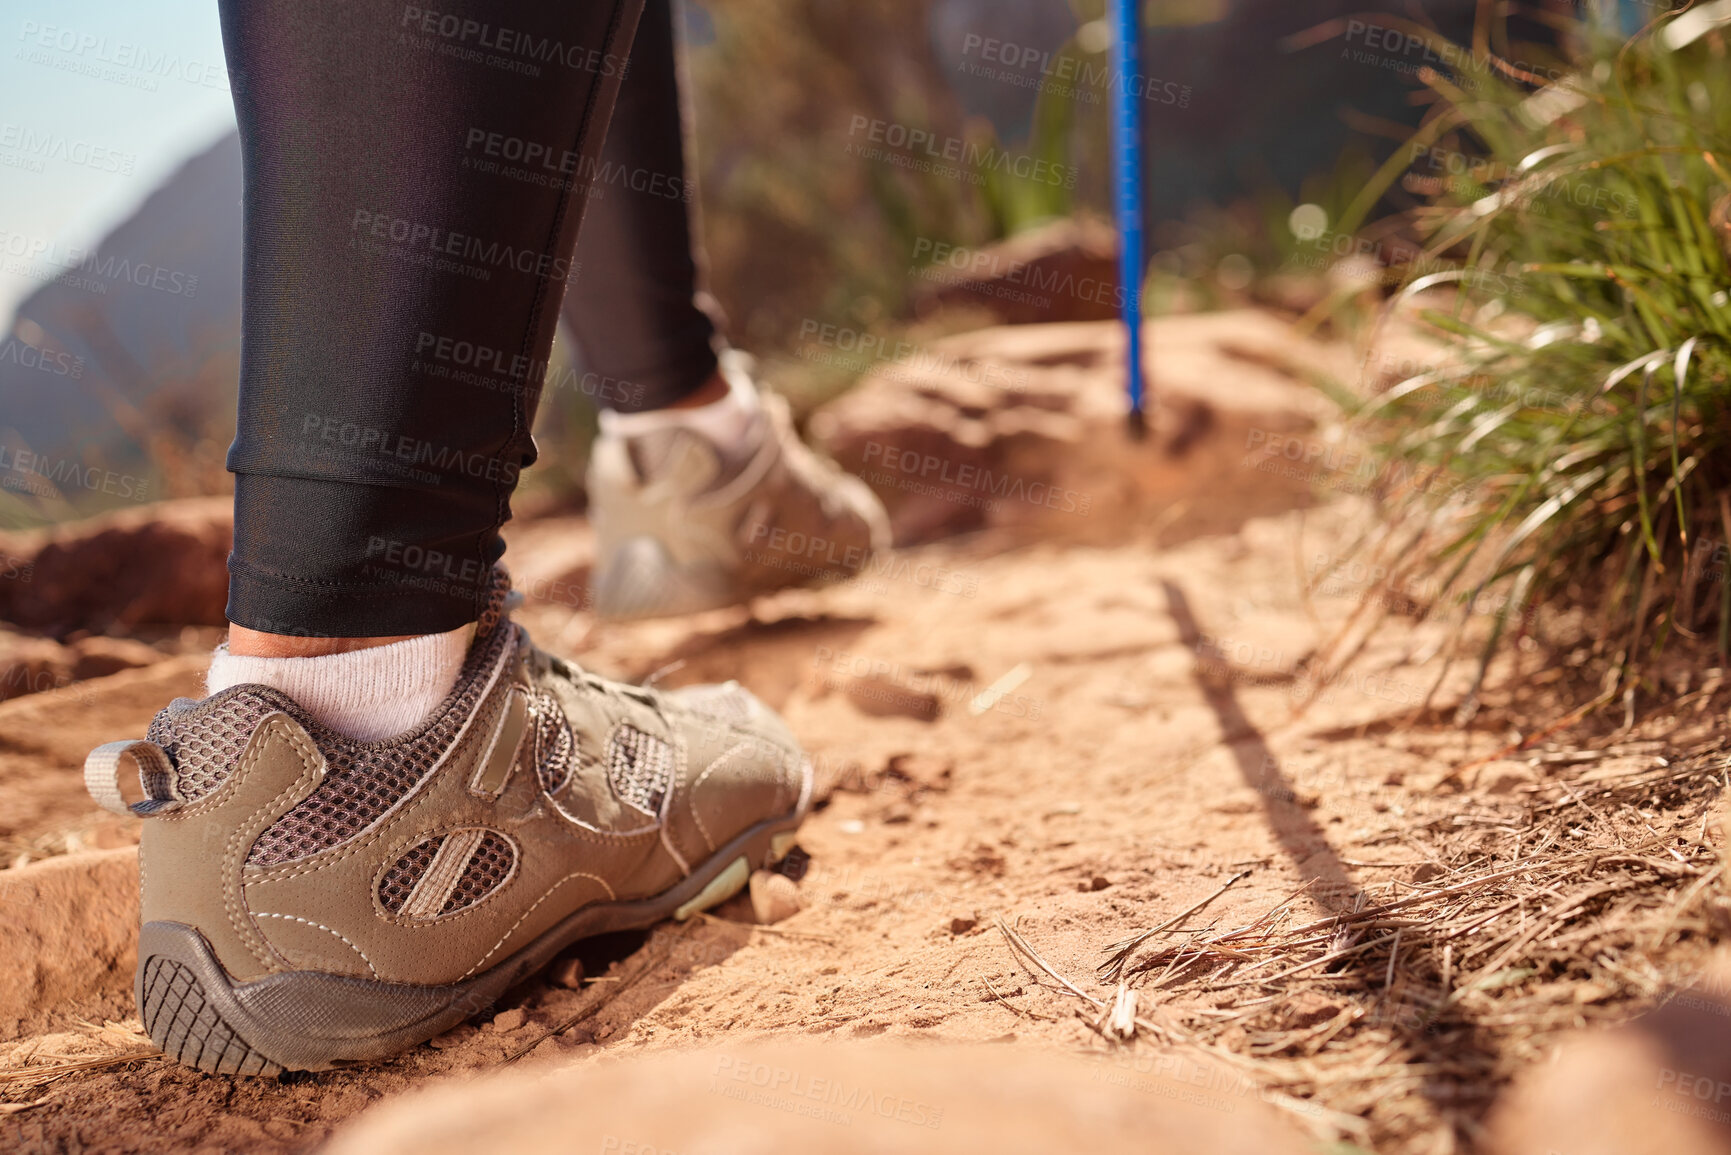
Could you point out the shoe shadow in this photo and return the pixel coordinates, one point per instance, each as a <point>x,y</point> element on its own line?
<point>771,659</point>
<point>627,977</point>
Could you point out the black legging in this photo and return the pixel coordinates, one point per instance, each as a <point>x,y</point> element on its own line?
<point>415,177</point>
<point>645,339</point>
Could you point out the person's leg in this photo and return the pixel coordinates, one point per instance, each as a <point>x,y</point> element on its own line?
<point>415,178</point>
<point>646,329</point>
<point>339,859</point>
<point>696,482</point>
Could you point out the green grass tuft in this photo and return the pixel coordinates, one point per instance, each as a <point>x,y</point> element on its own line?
<point>1576,254</point>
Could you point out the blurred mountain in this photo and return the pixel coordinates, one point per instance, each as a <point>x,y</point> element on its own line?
<point>137,337</point>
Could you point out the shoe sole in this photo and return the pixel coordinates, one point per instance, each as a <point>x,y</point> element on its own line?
<point>313,1021</point>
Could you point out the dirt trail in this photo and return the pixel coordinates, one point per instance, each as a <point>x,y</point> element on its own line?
<point>1082,741</point>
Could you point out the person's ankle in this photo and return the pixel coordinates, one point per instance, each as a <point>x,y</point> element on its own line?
<point>713,389</point>
<point>245,643</point>
<point>724,411</point>
<point>352,685</point>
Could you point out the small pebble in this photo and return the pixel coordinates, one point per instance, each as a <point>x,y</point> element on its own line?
<point>773,897</point>
<point>963,923</point>
<point>509,1020</point>
<point>567,972</point>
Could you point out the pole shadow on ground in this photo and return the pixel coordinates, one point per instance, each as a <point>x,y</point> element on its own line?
<point>1420,1029</point>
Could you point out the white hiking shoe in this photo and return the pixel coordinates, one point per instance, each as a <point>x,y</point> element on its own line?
<point>686,523</point>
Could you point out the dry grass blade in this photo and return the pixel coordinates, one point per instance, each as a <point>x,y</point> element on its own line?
<point>55,1070</point>
<point>1113,967</point>
<point>1582,896</point>
<point>1121,1018</point>
<point>1021,947</point>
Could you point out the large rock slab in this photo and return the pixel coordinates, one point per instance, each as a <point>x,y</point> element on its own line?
<point>1659,1086</point>
<point>44,738</point>
<point>30,664</point>
<point>165,563</point>
<point>842,1099</point>
<point>1065,270</point>
<point>71,931</point>
<point>1024,427</point>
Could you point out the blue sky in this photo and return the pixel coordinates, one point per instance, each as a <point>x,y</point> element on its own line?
<point>99,100</point>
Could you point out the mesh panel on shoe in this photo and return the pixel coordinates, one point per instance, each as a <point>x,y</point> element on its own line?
<point>205,748</point>
<point>399,881</point>
<point>554,747</point>
<point>638,768</point>
<point>487,868</point>
<point>363,781</point>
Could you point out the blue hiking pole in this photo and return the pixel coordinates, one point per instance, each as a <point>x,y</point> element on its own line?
<point>1127,162</point>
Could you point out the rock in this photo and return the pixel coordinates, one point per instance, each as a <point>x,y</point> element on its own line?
<point>98,657</point>
<point>32,665</point>
<point>162,563</point>
<point>898,813</point>
<point>963,923</point>
<point>839,1099</point>
<point>1066,270</point>
<point>45,737</point>
<point>1661,1084</point>
<point>1099,882</point>
<point>509,1019</point>
<point>71,931</point>
<point>567,972</point>
<point>773,897</point>
<point>1023,428</point>
<point>884,698</point>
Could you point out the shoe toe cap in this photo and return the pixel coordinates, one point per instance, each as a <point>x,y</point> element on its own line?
<point>743,767</point>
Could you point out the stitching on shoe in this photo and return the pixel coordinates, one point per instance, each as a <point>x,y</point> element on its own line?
<point>696,815</point>
<point>674,791</point>
<point>414,797</point>
<point>220,797</point>
<point>595,833</point>
<point>611,896</point>
<point>322,926</point>
<point>233,879</point>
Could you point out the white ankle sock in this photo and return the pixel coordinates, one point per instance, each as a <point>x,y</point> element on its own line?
<point>725,422</point>
<point>367,694</point>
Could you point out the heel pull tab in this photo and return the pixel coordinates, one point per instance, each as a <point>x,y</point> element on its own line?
<point>155,773</point>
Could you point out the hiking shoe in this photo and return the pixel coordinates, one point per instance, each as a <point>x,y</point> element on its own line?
<point>310,900</point>
<point>684,523</point>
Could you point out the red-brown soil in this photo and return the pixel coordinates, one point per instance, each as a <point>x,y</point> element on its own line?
<point>1159,733</point>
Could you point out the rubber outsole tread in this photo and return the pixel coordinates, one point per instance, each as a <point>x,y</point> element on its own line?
<point>182,1022</point>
